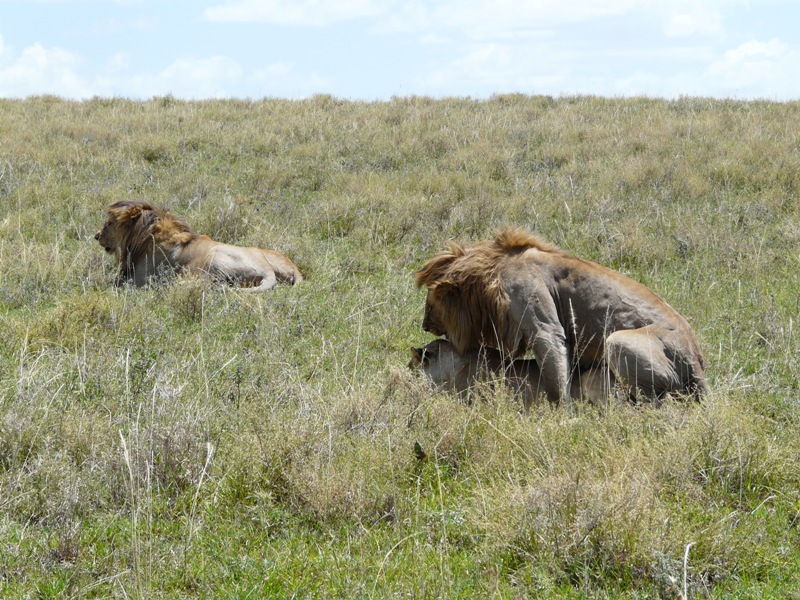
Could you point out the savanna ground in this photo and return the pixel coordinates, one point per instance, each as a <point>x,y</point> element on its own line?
<point>190,440</point>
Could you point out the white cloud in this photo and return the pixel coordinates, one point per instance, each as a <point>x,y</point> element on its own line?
<point>754,69</point>
<point>485,68</point>
<point>40,70</point>
<point>697,20</point>
<point>213,77</point>
<point>487,19</point>
<point>115,26</point>
<point>118,63</point>
<point>281,80</point>
<point>293,12</point>
<point>772,67</point>
<point>757,50</point>
<point>279,69</point>
<point>478,19</point>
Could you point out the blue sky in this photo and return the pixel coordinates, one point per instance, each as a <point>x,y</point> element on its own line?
<point>377,49</point>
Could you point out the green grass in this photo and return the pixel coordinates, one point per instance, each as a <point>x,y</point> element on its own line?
<point>196,441</point>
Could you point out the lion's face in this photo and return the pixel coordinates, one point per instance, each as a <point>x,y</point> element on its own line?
<point>432,321</point>
<point>438,360</point>
<point>108,236</point>
<point>122,218</point>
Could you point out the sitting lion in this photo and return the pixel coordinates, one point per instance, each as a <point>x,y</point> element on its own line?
<point>147,241</point>
<point>518,293</point>
<point>450,370</point>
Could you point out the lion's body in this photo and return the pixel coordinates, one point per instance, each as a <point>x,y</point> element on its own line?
<point>518,293</point>
<point>449,370</point>
<point>148,241</point>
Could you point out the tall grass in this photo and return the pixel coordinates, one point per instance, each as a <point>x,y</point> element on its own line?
<point>191,440</point>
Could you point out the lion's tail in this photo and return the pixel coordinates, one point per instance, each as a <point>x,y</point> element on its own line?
<point>696,378</point>
<point>699,385</point>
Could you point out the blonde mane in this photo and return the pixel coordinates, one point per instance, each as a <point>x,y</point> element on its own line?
<point>512,240</point>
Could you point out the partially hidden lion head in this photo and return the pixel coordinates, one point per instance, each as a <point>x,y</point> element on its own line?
<point>466,299</point>
<point>438,360</point>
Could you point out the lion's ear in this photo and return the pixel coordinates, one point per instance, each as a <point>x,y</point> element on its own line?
<point>148,219</point>
<point>445,289</point>
<point>134,213</point>
<point>416,358</point>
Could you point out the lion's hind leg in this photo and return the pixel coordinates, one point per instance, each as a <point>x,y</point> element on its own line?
<point>638,360</point>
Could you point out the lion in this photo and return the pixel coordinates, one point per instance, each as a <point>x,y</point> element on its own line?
<point>518,293</point>
<point>147,241</point>
<point>447,369</point>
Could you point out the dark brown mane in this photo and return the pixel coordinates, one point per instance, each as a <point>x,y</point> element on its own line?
<point>143,227</point>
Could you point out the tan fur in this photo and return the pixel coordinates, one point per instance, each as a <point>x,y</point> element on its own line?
<point>518,293</point>
<point>448,369</point>
<point>147,241</point>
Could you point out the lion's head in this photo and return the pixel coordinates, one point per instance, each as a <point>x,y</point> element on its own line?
<point>466,300</point>
<point>439,361</point>
<point>131,230</point>
<point>123,219</point>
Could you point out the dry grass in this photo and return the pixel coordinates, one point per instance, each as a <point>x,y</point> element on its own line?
<point>189,440</point>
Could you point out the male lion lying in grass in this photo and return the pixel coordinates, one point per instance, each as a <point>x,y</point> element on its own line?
<point>518,293</point>
<point>450,370</point>
<point>147,241</point>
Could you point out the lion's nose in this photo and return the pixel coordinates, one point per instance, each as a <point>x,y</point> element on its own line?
<point>97,236</point>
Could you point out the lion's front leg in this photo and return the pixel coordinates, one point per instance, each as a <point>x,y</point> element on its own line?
<point>550,348</point>
<point>537,322</point>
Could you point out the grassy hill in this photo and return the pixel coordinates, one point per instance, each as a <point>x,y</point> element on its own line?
<point>190,440</point>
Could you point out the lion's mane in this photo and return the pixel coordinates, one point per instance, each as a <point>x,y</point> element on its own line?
<point>140,227</point>
<point>464,284</point>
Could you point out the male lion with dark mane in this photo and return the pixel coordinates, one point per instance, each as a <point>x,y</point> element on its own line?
<point>460,373</point>
<point>147,241</point>
<point>519,293</point>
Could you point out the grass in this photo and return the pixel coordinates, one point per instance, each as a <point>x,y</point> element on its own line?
<point>190,440</point>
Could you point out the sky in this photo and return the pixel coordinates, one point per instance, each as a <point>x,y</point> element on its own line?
<point>379,49</point>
